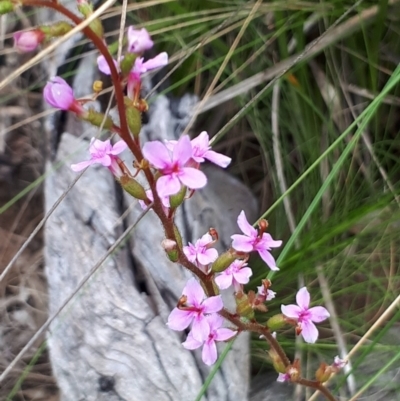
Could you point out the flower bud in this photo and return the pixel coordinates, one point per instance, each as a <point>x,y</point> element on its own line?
<point>27,41</point>
<point>323,373</point>
<point>276,322</point>
<point>6,7</point>
<point>279,366</point>
<point>58,29</point>
<point>127,63</point>
<point>170,249</point>
<point>223,262</point>
<point>133,118</point>
<point>133,188</point>
<point>243,306</point>
<point>86,9</point>
<point>97,86</point>
<point>177,199</point>
<point>98,119</point>
<point>178,236</point>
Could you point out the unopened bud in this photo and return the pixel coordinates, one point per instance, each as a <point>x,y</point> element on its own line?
<point>323,373</point>
<point>86,9</point>
<point>170,249</point>
<point>276,322</point>
<point>263,224</point>
<point>243,306</point>
<point>98,119</point>
<point>6,7</point>
<point>223,262</point>
<point>133,188</point>
<point>27,41</point>
<point>97,86</point>
<point>178,237</point>
<point>127,63</point>
<point>279,366</point>
<point>56,30</point>
<point>177,199</point>
<point>133,118</point>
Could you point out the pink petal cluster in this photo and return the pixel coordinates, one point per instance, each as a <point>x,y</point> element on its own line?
<point>139,40</point>
<point>140,67</point>
<point>197,306</point>
<point>27,41</point>
<point>57,93</point>
<point>237,274</point>
<point>215,332</point>
<point>202,150</point>
<point>201,253</point>
<point>252,241</point>
<point>104,67</point>
<point>306,316</point>
<point>339,363</point>
<point>103,153</point>
<point>172,166</point>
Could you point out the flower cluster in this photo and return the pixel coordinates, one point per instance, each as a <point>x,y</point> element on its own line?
<point>172,172</point>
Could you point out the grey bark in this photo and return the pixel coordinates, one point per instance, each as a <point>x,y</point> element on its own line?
<point>112,342</point>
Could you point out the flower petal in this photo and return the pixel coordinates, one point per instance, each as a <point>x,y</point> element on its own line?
<point>209,354</point>
<point>303,298</point>
<point>192,178</point>
<point>318,314</point>
<point>224,281</point>
<point>200,328</point>
<point>157,154</point>
<point>213,304</point>
<point>179,319</point>
<point>208,256</point>
<point>268,259</point>
<point>182,151</point>
<point>191,343</point>
<point>244,225</point>
<point>103,65</point>
<point>224,334</point>
<point>217,158</point>
<point>168,185</point>
<point>291,311</point>
<point>118,147</point>
<point>243,275</point>
<point>82,165</point>
<point>194,292</point>
<point>242,243</point>
<point>159,61</point>
<point>309,332</point>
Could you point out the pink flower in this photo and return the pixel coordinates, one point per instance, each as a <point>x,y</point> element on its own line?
<point>172,167</point>
<point>267,295</point>
<point>252,241</point>
<point>339,363</point>
<point>104,67</point>
<point>140,67</point>
<point>200,253</point>
<point>305,316</point>
<point>236,274</point>
<point>27,41</point>
<point>202,150</point>
<point>214,333</point>
<point>139,40</point>
<point>57,93</point>
<point>194,310</point>
<point>283,377</point>
<point>103,153</point>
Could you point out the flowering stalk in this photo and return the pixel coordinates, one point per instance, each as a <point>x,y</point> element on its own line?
<point>170,169</point>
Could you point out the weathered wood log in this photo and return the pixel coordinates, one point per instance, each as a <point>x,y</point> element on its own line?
<point>111,342</point>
